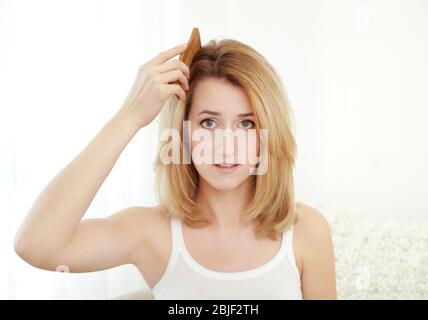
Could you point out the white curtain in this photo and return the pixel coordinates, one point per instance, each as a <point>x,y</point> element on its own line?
<point>66,67</point>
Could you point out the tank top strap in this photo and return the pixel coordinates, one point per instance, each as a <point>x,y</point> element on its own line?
<point>174,225</point>
<point>177,240</point>
<point>289,250</point>
<point>175,229</point>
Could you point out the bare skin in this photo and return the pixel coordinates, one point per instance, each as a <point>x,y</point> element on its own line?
<point>55,234</point>
<point>312,245</point>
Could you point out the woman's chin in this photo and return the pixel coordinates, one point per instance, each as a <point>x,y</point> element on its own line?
<point>224,183</point>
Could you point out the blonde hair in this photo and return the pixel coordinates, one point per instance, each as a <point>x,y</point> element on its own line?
<point>273,205</point>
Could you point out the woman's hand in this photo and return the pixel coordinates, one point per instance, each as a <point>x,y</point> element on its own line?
<point>154,84</point>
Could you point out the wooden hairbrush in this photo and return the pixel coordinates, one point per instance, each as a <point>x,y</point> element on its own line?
<point>193,45</point>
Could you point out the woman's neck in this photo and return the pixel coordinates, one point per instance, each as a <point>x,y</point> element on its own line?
<point>224,207</point>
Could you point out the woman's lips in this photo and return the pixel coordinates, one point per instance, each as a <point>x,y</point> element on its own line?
<point>226,168</point>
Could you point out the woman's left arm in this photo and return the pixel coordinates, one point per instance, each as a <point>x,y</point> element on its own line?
<point>315,247</point>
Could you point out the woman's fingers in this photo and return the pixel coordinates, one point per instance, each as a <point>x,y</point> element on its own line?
<point>156,80</point>
<point>176,89</point>
<point>169,72</point>
<point>168,54</point>
<point>174,75</point>
<point>174,64</point>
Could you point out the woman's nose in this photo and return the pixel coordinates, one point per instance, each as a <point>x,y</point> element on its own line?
<point>226,145</point>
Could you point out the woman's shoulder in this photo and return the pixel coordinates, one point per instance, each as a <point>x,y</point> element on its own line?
<point>312,232</point>
<point>146,221</point>
<point>309,219</point>
<point>154,215</point>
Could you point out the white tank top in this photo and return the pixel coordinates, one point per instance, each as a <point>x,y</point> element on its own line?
<point>185,278</point>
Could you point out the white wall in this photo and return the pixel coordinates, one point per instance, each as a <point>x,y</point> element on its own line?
<point>357,76</point>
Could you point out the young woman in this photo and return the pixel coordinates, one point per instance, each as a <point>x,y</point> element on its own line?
<point>220,231</point>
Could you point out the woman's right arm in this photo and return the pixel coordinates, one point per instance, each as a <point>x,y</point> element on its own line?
<point>53,233</point>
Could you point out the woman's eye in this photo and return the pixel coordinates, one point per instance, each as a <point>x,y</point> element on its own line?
<point>247,124</point>
<point>208,123</point>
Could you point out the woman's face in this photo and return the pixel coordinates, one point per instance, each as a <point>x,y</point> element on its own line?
<point>221,120</point>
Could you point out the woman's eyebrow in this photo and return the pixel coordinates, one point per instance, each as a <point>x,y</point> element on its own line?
<point>215,113</point>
